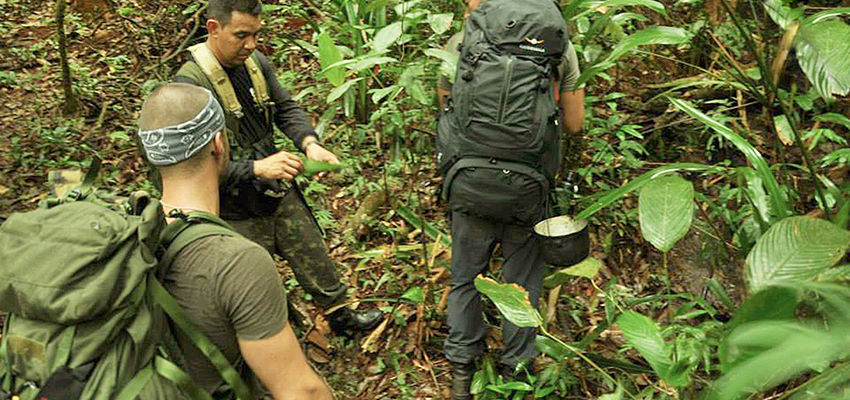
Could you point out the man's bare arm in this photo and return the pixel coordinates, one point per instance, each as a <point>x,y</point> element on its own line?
<point>282,368</point>
<point>572,108</point>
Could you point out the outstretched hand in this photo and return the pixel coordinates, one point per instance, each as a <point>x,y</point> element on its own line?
<point>280,165</point>
<point>315,151</point>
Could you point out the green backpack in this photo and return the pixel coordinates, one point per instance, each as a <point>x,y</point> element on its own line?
<point>86,315</point>
<point>497,141</point>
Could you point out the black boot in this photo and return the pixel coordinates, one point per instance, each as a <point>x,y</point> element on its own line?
<point>461,379</point>
<point>346,320</point>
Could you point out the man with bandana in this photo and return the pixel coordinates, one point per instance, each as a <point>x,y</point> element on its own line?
<point>227,285</point>
<point>258,197</point>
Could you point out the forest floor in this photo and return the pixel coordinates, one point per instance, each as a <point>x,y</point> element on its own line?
<point>117,57</point>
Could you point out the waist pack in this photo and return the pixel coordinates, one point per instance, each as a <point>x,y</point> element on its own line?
<point>503,110</point>
<point>86,314</point>
<point>501,191</point>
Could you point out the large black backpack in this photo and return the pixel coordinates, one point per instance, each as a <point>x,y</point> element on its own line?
<point>498,136</point>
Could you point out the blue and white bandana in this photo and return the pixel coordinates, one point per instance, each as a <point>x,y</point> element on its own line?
<point>172,144</point>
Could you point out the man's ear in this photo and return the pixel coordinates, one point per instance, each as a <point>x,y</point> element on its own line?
<point>213,26</point>
<point>220,143</point>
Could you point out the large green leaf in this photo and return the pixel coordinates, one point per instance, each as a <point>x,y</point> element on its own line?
<point>824,55</point>
<point>772,303</point>
<point>782,14</point>
<point>387,36</point>
<point>328,56</point>
<point>795,249</point>
<point>512,301</point>
<point>340,90</point>
<point>440,23</point>
<point>769,353</point>
<point>643,334</point>
<point>616,194</point>
<point>653,5</point>
<point>833,384</point>
<point>666,210</point>
<point>313,167</point>
<point>588,268</point>
<point>778,201</point>
<point>653,35</point>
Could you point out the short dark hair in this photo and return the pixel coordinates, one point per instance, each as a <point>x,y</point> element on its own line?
<point>221,10</point>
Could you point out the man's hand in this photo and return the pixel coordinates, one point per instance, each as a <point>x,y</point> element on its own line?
<point>280,165</point>
<point>315,151</point>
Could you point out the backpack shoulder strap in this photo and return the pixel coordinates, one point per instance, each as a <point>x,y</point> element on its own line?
<point>188,229</point>
<point>261,88</point>
<point>206,60</point>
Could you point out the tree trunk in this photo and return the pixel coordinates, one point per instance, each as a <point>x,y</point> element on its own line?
<point>70,105</point>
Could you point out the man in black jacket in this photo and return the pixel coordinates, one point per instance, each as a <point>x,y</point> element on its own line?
<point>258,197</point>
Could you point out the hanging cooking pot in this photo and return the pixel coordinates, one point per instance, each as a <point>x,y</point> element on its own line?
<point>563,241</point>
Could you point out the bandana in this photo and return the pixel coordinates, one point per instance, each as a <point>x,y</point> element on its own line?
<point>172,144</point>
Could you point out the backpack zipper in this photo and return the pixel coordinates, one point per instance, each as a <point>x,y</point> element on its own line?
<point>506,87</point>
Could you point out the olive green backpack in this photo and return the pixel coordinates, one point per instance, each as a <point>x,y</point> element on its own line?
<point>86,314</point>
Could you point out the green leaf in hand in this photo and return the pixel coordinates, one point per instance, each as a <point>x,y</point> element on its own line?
<point>313,167</point>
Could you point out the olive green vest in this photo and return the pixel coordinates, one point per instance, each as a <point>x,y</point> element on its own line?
<point>205,69</point>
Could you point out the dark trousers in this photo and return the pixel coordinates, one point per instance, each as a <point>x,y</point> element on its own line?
<point>292,233</point>
<point>473,241</point>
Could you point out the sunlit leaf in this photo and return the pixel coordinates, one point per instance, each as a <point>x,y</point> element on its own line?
<point>617,395</point>
<point>834,118</point>
<point>643,334</point>
<point>795,249</point>
<point>406,7</point>
<point>778,201</point>
<point>616,194</point>
<point>339,91</point>
<point>329,55</point>
<point>379,94</point>
<point>652,5</point>
<point>824,55</point>
<point>588,268</point>
<point>756,195</point>
<point>426,227</point>
<point>781,14</point>
<point>769,353</point>
<point>387,36</point>
<point>551,348</point>
<point>833,384</point>
<point>839,273</point>
<point>440,23</point>
<point>479,382</point>
<point>772,303</point>
<point>654,35</point>
<point>313,167</point>
<point>511,300</point>
<point>783,129</point>
<point>414,294</point>
<point>371,62</point>
<point>666,209</point>
<point>514,385</point>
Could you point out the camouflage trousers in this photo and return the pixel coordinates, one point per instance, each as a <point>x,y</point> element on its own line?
<point>292,233</point>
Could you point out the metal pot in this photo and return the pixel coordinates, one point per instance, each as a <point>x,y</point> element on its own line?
<point>563,241</point>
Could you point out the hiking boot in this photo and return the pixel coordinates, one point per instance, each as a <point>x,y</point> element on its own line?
<point>461,379</point>
<point>346,320</point>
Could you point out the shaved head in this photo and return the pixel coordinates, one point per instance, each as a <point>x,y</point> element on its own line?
<point>172,104</point>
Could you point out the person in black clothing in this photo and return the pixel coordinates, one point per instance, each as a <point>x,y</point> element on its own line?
<point>258,197</point>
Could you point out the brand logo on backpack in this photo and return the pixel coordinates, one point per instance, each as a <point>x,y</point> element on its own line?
<point>534,45</point>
